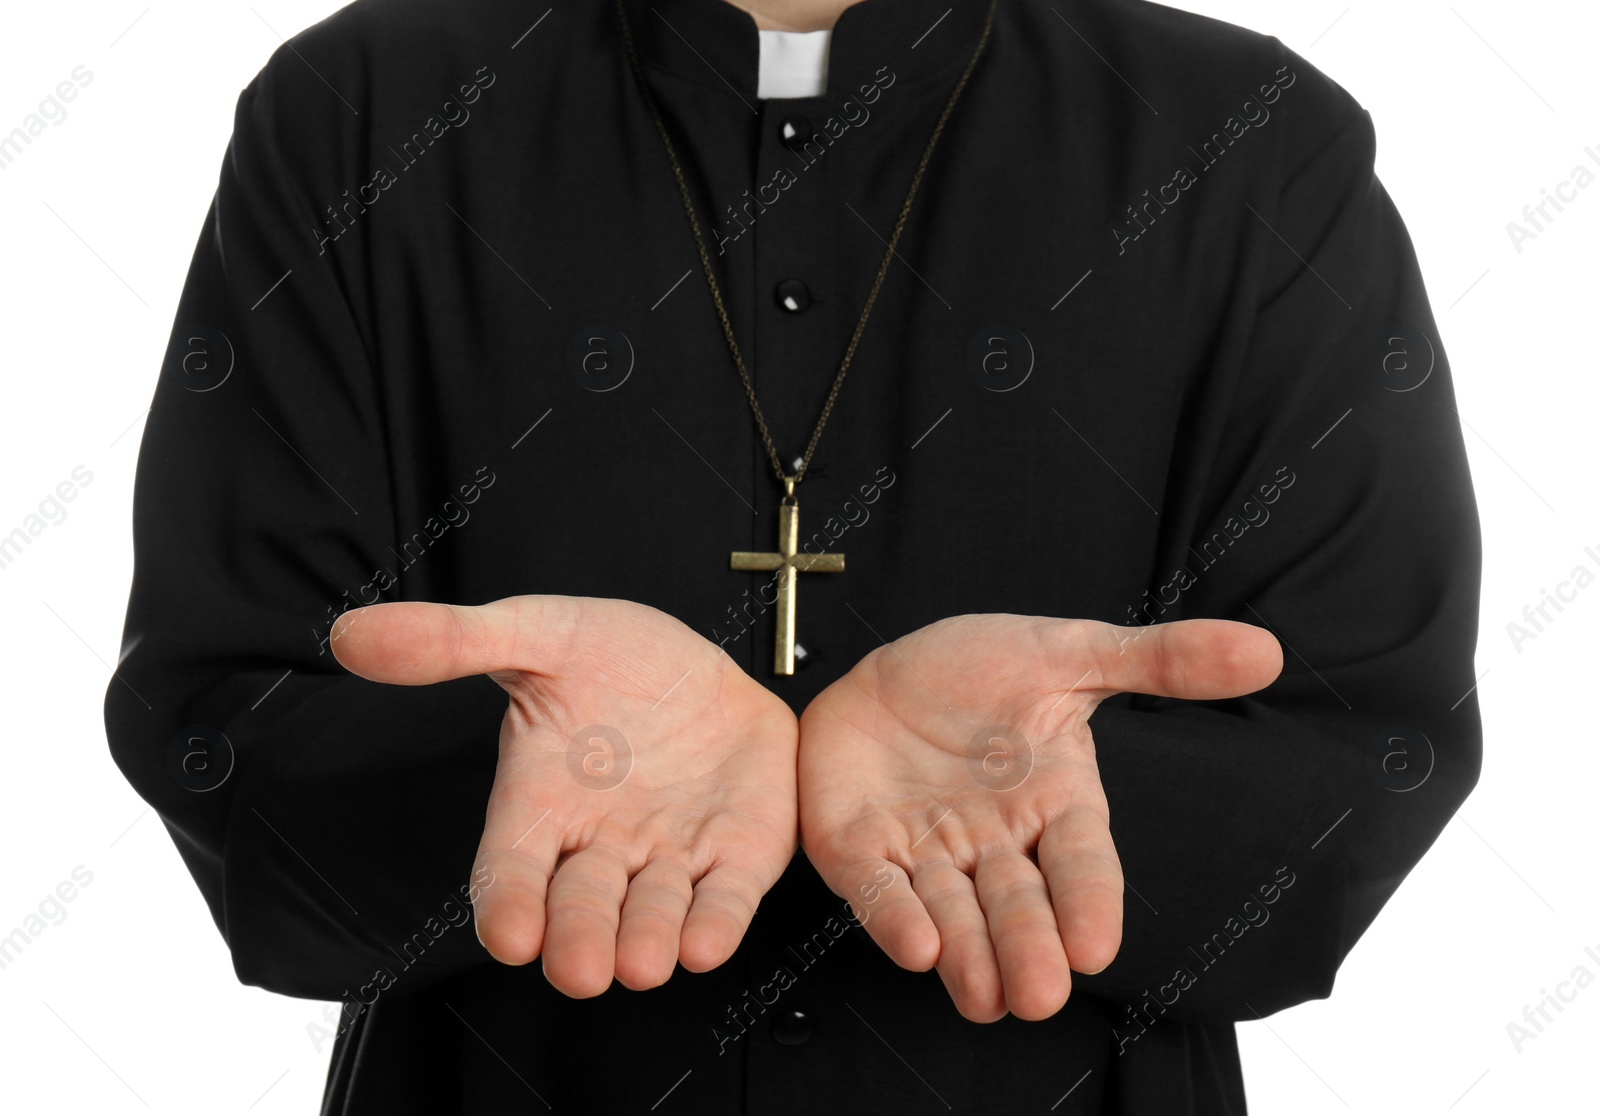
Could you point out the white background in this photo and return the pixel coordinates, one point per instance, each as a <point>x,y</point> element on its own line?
<point>130,1003</point>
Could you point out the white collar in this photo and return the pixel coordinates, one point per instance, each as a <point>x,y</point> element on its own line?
<point>793,63</point>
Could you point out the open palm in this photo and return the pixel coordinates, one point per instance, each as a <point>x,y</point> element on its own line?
<point>644,798</point>
<point>949,790</point>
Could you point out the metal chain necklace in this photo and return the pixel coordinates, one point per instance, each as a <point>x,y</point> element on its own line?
<point>788,563</point>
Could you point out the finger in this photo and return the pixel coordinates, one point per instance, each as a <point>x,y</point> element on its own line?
<point>967,963</point>
<point>1198,660</point>
<point>725,900</point>
<point>883,901</point>
<point>1080,865</point>
<point>416,643</point>
<point>1022,925</point>
<point>652,922</point>
<point>584,909</point>
<point>509,913</point>
<point>519,851</point>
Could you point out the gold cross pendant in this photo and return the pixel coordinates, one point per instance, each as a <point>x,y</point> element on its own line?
<point>790,564</point>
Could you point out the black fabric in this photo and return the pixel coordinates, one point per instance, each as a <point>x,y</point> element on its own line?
<point>405,388</point>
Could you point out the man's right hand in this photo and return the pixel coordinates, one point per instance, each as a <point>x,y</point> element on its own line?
<point>644,799</point>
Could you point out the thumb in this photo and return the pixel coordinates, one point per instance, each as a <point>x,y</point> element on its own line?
<point>1198,660</point>
<point>416,643</point>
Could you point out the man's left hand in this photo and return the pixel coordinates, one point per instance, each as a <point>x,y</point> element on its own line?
<point>949,791</point>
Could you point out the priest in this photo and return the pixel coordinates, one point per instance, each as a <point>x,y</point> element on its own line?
<point>914,556</point>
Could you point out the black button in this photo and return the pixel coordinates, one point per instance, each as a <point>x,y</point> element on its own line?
<point>812,470</point>
<point>794,130</point>
<point>791,1028</point>
<point>794,296</point>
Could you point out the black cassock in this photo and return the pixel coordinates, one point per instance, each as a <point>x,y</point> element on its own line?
<point>1155,346</point>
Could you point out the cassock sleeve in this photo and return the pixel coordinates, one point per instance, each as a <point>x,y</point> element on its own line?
<point>330,822</point>
<point>1260,837</point>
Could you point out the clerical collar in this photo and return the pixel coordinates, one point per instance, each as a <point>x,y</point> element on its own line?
<point>714,43</point>
<point>793,64</point>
